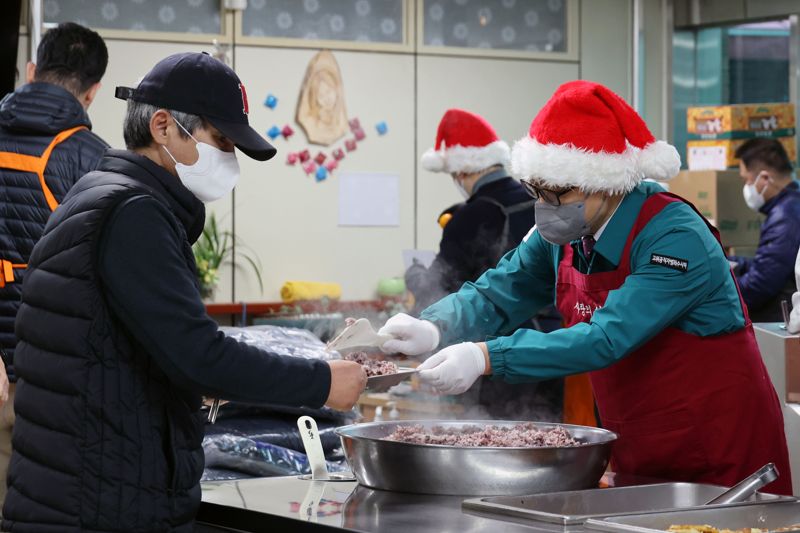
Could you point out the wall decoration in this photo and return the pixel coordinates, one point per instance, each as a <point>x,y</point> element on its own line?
<point>271,102</point>
<point>382,128</point>
<point>350,144</point>
<point>304,156</point>
<point>287,132</point>
<point>321,174</point>
<point>273,132</point>
<point>338,154</point>
<point>331,165</point>
<point>309,167</point>
<point>321,108</point>
<point>320,158</point>
<point>292,158</point>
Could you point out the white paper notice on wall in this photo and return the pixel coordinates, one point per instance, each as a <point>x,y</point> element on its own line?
<point>369,199</point>
<point>707,158</point>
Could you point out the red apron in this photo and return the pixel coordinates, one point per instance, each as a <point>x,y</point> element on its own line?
<point>686,408</point>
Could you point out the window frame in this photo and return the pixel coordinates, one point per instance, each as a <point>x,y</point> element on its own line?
<point>224,37</point>
<point>406,46</point>
<point>572,53</point>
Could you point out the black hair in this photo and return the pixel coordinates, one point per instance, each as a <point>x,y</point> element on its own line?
<point>71,56</point>
<point>769,153</point>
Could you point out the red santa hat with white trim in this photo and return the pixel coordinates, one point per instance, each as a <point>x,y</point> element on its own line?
<point>465,142</point>
<point>588,137</point>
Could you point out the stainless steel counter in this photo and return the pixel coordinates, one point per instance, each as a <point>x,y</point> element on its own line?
<point>288,503</point>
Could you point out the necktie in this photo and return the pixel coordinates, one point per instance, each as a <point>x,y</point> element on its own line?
<point>587,241</point>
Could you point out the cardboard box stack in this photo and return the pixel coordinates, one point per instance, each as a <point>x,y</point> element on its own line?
<point>718,197</point>
<point>716,132</point>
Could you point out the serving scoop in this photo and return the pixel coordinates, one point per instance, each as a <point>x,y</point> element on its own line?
<point>748,486</point>
<point>359,334</point>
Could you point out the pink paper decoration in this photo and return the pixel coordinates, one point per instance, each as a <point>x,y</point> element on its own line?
<point>309,167</point>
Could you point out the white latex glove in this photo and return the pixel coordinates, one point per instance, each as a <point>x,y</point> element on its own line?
<point>411,335</point>
<point>794,317</point>
<point>454,369</point>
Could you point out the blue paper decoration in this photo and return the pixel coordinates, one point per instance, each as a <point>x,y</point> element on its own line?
<point>271,101</point>
<point>274,132</point>
<point>382,128</point>
<point>322,173</point>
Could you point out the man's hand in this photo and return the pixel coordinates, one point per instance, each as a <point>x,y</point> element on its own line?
<point>411,335</point>
<point>348,380</point>
<point>454,369</point>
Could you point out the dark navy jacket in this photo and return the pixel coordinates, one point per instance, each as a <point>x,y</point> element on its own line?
<point>29,119</point>
<point>768,277</point>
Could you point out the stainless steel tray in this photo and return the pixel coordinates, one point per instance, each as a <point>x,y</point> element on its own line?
<point>575,507</point>
<point>765,516</point>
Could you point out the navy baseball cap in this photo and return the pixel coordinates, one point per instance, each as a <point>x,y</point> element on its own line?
<point>198,84</point>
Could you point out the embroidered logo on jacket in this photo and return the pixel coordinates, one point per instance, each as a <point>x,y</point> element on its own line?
<point>681,265</point>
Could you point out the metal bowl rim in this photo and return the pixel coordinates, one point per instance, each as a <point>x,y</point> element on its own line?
<point>609,436</point>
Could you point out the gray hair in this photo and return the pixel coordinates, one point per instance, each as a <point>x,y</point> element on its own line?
<point>136,128</point>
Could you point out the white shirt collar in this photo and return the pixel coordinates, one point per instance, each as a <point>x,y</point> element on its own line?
<point>600,231</point>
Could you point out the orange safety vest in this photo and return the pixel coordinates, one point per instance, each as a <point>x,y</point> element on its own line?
<point>36,165</point>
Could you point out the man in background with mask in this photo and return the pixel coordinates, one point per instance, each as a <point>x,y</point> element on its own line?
<point>495,216</point>
<point>115,347</point>
<point>769,189</point>
<point>650,304</point>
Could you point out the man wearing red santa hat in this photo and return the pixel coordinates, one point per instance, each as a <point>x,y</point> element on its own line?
<point>496,214</point>
<point>651,306</point>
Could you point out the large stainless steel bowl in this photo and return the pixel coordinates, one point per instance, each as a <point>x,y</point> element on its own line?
<point>478,471</point>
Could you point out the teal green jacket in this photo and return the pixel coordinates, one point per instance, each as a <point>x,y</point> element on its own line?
<point>702,300</point>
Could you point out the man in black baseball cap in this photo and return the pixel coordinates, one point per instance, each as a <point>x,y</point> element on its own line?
<point>116,349</point>
<point>200,85</point>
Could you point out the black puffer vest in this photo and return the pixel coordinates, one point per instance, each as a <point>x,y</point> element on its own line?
<point>30,118</point>
<point>102,441</point>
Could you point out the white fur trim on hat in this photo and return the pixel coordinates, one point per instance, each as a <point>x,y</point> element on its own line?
<point>660,161</point>
<point>459,158</point>
<point>558,165</point>
<point>433,160</point>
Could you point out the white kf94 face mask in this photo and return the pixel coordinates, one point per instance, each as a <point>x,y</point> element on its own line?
<point>214,175</point>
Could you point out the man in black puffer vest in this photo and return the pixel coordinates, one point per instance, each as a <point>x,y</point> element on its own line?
<point>115,346</point>
<point>42,124</point>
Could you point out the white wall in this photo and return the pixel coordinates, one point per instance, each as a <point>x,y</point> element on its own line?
<point>290,221</point>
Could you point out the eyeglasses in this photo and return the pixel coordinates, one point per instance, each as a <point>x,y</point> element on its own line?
<point>548,196</point>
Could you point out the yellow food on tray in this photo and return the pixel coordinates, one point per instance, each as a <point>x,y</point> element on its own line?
<point>709,529</point>
<point>693,529</point>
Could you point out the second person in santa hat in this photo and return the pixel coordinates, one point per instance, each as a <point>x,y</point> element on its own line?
<point>651,306</point>
<point>496,214</point>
